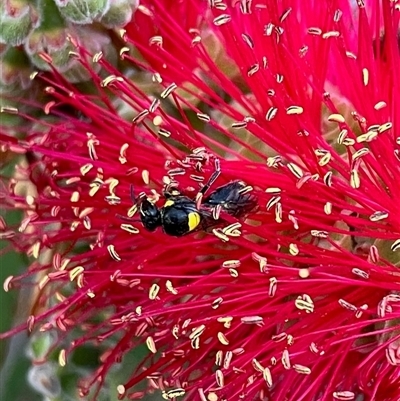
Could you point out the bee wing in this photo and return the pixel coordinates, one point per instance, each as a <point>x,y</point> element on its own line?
<point>232,200</point>
<point>211,217</point>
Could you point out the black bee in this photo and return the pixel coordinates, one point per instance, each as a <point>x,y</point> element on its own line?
<point>181,215</point>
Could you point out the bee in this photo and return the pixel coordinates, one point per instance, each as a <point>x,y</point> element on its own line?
<point>181,215</point>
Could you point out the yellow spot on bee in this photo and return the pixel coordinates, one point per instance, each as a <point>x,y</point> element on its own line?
<point>193,220</point>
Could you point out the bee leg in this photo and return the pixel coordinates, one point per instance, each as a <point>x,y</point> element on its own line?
<point>212,178</point>
<point>136,200</point>
<point>125,218</point>
<point>210,181</point>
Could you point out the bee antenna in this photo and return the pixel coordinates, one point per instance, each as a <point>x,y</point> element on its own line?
<point>132,191</point>
<point>126,218</point>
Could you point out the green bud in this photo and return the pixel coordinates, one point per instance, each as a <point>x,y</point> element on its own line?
<point>17,17</point>
<point>94,41</point>
<point>219,55</point>
<point>61,52</point>
<point>330,129</point>
<point>82,11</point>
<point>54,44</point>
<point>40,344</point>
<point>43,378</point>
<point>9,117</point>
<point>120,13</point>
<point>15,70</point>
<point>49,39</point>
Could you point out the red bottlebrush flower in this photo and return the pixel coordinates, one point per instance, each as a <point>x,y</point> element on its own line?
<point>296,299</point>
<point>155,32</point>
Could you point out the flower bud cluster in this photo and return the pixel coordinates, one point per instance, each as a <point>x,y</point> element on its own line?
<point>34,32</point>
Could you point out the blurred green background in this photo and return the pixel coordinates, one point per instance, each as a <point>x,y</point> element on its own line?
<point>14,352</point>
<point>14,363</point>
